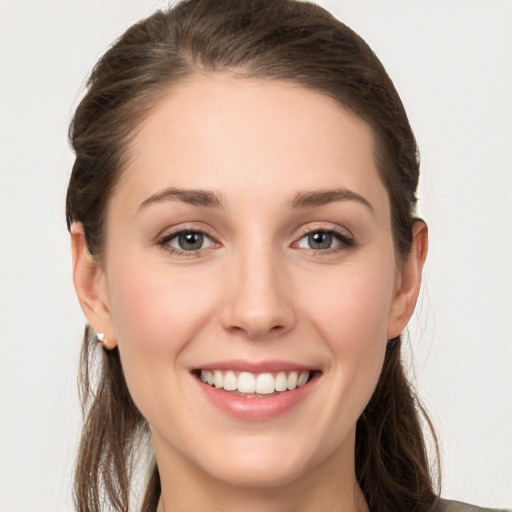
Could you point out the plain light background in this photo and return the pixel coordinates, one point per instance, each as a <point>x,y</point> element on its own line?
<point>451,62</point>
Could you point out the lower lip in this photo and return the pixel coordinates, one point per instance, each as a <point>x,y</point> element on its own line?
<point>255,409</point>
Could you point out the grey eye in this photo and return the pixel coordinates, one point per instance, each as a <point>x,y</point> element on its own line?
<point>189,241</point>
<point>320,240</point>
<point>323,240</point>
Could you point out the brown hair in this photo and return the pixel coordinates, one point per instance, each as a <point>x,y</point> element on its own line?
<point>283,40</point>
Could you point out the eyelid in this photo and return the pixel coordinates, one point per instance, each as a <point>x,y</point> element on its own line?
<point>176,229</point>
<point>344,236</point>
<point>313,227</point>
<point>168,234</point>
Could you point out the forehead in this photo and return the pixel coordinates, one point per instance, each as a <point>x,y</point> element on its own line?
<point>242,135</point>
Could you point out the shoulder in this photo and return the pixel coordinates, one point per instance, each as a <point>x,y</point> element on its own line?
<point>457,506</point>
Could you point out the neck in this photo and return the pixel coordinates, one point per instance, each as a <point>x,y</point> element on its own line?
<point>329,487</point>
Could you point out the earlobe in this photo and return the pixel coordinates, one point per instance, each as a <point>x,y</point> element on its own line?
<point>408,282</point>
<point>91,287</point>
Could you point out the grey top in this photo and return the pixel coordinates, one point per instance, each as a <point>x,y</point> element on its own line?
<point>457,506</point>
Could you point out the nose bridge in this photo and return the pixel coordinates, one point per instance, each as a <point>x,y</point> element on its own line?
<point>257,299</point>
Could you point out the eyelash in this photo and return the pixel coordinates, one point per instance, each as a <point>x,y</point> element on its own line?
<point>164,242</point>
<point>345,242</point>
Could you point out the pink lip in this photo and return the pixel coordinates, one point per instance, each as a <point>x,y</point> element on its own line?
<point>270,366</point>
<point>256,409</point>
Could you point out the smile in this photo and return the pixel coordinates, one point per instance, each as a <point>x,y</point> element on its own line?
<point>256,390</point>
<point>255,384</point>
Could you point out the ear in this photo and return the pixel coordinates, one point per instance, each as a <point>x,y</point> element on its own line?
<point>408,282</point>
<point>91,287</point>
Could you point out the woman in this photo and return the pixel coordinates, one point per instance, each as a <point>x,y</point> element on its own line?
<point>245,248</point>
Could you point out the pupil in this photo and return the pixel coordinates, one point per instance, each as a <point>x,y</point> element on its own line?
<point>190,241</point>
<point>320,240</point>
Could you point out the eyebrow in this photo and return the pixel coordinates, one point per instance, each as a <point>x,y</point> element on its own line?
<point>205,198</point>
<point>209,199</point>
<point>309,199</point>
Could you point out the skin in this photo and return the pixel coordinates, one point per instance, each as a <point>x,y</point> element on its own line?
<point>255,291</point>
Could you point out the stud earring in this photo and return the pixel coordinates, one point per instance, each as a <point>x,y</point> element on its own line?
<point>100,337</point>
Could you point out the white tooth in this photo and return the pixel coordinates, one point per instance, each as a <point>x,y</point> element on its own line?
<point>218,379</point>
<point>303,378</point>
<point>264,383</point>
<point>209,378</point>
<point>281,382</point>
<point>230,382</point>
<point>246,383</point>
<point>203,375</point>
<point>292,380</point>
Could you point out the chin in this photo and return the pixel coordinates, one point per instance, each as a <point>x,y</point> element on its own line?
<point>264,463</point>
<point>259,475</point>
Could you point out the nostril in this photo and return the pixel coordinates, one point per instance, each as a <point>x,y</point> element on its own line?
<point>258,306</point>
<point>256,330</point>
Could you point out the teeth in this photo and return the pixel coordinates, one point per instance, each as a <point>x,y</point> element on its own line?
<point>265,384</point>
<point>230,381</point>
<point>292,380</point>
<point>302,379</point>
<point>281,382</point>
<point>246,383</point>
<point>262,383</point>
<point>218,379</point>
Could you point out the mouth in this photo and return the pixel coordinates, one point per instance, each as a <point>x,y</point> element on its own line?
<point>256,390</point>
<point>255,385</point>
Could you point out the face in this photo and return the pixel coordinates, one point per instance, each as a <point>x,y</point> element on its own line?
<point>250,246</point>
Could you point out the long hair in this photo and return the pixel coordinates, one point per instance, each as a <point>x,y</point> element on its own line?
<point>282,40</point>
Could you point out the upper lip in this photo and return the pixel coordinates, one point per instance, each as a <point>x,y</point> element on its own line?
<point>266,366</point>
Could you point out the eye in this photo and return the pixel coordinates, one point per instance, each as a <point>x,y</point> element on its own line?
<point>186,241</point>
<point>324,240</point>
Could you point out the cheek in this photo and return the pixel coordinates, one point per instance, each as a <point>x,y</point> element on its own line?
<point>352,320</point>
<point>156,314</point>
<point>157,307</point>
<point>352,310</point>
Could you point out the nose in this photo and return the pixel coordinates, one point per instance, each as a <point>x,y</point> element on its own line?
<point>258,298</point>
